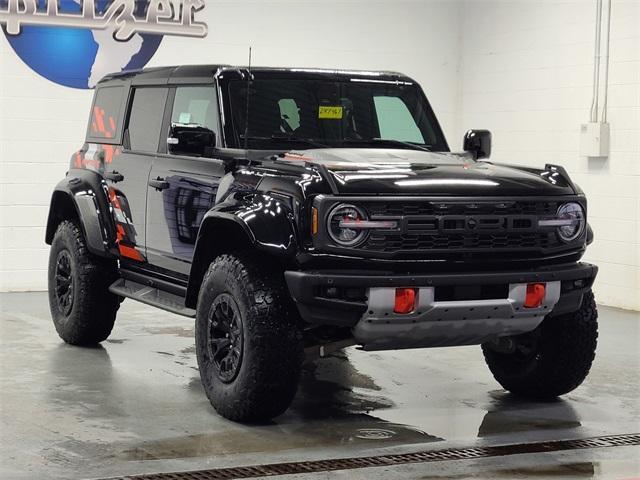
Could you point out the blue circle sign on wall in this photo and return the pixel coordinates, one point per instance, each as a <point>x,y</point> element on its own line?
<point>77,42</point>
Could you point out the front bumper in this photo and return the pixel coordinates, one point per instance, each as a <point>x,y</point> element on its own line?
<point>436,323</point>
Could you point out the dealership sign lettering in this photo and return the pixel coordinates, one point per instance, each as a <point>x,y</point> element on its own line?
<point>162,17</point>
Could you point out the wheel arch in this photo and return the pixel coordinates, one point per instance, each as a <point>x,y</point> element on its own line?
<point>237,230</point>
<point>62,207</point>
<point>80,199</point>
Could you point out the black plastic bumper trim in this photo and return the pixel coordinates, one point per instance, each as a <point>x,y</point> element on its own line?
<point>304,285</point>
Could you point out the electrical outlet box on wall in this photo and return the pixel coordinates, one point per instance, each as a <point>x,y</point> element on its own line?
<point>594,139</point>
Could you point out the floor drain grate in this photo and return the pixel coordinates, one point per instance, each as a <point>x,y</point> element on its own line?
<point>391,460</point>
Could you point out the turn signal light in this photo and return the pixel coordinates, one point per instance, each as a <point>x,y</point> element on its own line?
<point>535,295</point>
<point>405,300</point>
<point>314,220</point>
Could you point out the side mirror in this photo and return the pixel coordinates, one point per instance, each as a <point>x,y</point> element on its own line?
<point>478,142</point>
<point>191,140</point>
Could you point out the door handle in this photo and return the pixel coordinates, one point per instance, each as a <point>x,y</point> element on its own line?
<point>114,176</point>
<point>159,184</point>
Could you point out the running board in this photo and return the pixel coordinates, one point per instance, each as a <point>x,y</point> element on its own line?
<point>151,296</point>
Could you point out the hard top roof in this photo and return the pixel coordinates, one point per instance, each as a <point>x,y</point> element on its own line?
<point>207,73</point>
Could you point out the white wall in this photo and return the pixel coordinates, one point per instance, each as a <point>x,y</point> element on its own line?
<point>42,124</point>
<point>527,70</point>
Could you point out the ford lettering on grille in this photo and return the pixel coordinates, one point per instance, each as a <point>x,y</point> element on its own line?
<point>438,224</point>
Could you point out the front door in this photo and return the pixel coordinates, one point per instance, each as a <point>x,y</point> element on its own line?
<point>128,173</point>
<point>182,187</point>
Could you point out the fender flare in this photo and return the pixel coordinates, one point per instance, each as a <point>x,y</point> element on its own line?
<point>82,195</point>
<point>260,222</point>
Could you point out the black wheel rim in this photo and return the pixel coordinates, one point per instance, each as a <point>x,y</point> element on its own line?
<point>64,282</point>
<point>225,337</point>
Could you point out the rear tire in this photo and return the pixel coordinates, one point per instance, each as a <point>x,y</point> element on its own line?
<point>82,308</point>
<point>248,340</point>
<point>552,360</point>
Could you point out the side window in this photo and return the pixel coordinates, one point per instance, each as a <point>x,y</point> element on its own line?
<point>105,117</point>
<point>395,120</point>
<point>145,118</point>
<point>194,121</point>
<point>196,106</point>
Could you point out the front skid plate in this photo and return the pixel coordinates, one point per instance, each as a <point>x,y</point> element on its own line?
<point>439,324</point>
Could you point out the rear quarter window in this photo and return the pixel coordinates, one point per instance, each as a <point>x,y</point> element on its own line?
<point>145,118</point>
<point>105,124</point>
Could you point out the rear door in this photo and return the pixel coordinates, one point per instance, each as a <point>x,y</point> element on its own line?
<point>128,172</point>
<point>182,187</point>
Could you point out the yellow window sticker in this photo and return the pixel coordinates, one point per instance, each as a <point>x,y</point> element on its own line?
<point>330,113</point>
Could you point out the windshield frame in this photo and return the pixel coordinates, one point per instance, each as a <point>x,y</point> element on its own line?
<point>231,134</point>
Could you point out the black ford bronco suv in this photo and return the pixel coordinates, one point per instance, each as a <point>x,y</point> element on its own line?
<point>294,212</point>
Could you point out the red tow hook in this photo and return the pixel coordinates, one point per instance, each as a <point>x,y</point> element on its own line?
<point>535,295</point>
<point>405,300</point>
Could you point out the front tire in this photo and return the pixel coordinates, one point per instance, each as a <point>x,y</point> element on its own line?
<point>552,360</point>
<point>82,308</point>
<point>248,341</point>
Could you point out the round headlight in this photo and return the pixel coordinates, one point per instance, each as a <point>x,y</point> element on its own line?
<point>342,225</point>
<point>574,215</point>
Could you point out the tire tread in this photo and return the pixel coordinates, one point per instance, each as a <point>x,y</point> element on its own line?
<point>94,308</point>
<point>567,350</point>
<point>271,370</point>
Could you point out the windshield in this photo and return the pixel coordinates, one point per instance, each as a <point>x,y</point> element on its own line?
<point>301,113</point>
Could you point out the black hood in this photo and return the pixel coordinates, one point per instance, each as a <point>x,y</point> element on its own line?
<point>411,172</point>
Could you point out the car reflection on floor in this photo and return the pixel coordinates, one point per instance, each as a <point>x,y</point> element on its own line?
<point>135,404</point>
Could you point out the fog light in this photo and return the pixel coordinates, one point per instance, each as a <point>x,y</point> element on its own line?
<point>535,295</point>
<point>405,300</point>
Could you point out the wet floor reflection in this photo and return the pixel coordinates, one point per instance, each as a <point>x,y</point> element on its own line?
<point>336,405</point>
<point>327,412</point>
<point>92,392</point>
<point>507,413</point>
<point>332,388</point>
<point>70,412</point>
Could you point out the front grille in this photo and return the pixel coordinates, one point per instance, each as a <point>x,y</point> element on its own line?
<point>395,242</point>
<point>454,226</point>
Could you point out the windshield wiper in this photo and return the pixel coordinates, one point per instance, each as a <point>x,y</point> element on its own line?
<point>391,141</point>
<point>288,139</point>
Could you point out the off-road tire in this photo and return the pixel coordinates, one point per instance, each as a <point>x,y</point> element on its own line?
<point>566,346</point>
<point>90,317</point>
<point>267,377</point>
